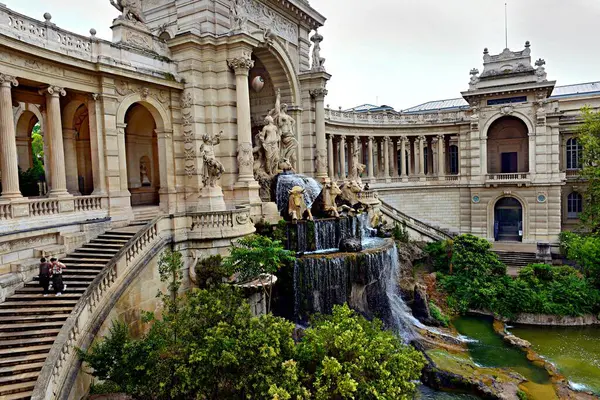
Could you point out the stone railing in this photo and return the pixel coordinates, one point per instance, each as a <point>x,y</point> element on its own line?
<point>573,173</point>
<point>361,118</point>
<point>413,223</point>
<point>61,209</point>
<point>368,195</point>
<point>519,176</point>
<point>59,368</point>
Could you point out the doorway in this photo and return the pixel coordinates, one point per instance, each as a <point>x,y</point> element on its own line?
<point>510,163</point>
<point>508,220</point>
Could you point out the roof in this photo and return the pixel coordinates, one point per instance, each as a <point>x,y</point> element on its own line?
<point>370,108</point>
<point>457,103</point>
<point>580,89</point>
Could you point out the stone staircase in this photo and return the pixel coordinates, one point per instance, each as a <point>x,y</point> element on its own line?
<point>143,214</point>
<point>30,322</point>
<point>515,260</point>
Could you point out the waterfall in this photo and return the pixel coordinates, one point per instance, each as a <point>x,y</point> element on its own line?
<point>285,182</point>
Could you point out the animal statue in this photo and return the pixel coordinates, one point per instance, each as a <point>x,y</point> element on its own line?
<point>329,196</point>
<point>349,195</point>
<point>130,9</point>
<point>297,206</point>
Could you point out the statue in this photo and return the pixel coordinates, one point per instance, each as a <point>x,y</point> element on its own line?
<point>357,168</point>
<point>144,171</point>
<point>285,124</point>
<point>330,193</point>
<point>131,10</point>
<point>269,139</point>
<point>349,195</point>
<point>297,206</point>
<point>318,62</point>
<point>238,21</point>
<point>213,169</point>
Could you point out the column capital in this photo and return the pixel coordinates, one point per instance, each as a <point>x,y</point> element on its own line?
<point>435,139</point>
<point>386,138</point>
<point>330,136</point>
<point>370,139</point>
<point>8,80</point>
<point>54,91</point>
<point>69,134</point>
<point>343,137</point>
<point>441,136</point>
<point>241,65</point>
<point>404,139</point>
<point>319,93</point>
<point>421,138</point>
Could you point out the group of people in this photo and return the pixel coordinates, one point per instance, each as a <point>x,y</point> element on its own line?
<point>51,274</point>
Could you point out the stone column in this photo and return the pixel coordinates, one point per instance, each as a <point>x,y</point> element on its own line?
<point>403,142</point>
<point>8,142</point>
<point>321,156</point>
<point>242,66</point>
<point>349,154</point>
<point>336,159</point>
<point>386,158</point>
<point>394,155</point>
<point>97,146</point>
<point>330,162</point>
<point>72,175</point>
<point>434,154</point>
<point>441,155</point>
<point>342,157</point>
<point>421,156</point>
<point>122,149</point>
<point>370,146</point>
<point>356,150</point>
<point>55,135</point>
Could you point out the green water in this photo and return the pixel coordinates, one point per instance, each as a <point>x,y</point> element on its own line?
<point>425,393</point>
<point>574,351</point>
<point>490,350</point>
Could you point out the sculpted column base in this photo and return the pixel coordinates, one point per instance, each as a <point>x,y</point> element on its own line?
<point>246,192</point>
<point>211,199</point>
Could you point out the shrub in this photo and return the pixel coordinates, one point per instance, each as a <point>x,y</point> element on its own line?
<point>400,233</point>
<point>438,315</point>
<point>210,272</point>
<point>585,251</point>
<point>438,253</point>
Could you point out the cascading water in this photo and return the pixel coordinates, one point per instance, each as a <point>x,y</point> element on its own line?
<point>285,182</point>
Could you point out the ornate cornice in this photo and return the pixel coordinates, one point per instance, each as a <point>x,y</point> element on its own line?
<point>8,80</point>
<point>54,91</point>
<point>318,94</point>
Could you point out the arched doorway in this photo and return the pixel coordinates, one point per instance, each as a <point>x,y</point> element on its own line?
<point>508,146</point>
<point>508,220</point>
<point>31,153</point>
<point>141,148</point>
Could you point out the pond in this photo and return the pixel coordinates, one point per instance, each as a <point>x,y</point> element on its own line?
<point>575,351</point>
<point>490,350</point>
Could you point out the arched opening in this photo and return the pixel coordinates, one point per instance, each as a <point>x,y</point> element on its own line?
<point>453,158</point>
<point>83,181</point>
<point>508,146</point>
<point>31,155</point>
<point>574,151</point>
<point>574,205</point>
<point>508,220</point>
<point>141,149</point>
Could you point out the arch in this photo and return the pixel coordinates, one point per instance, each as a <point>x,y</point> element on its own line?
<point>515,114</point>
<point>507,146</point>
<point>574,205</point>
<point>507,215</point>
<point>69,111</point>
<point>158,112</point>
<point>33,108</point>
<point>574,150</point>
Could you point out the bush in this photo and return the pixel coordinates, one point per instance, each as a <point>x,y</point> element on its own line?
<point>439,252</point>
<point>400,233</point>
<point>210,272</point>
<point>585,251</point>
<point>438,315</point>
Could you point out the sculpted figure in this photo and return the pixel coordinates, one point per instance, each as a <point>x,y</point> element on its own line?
<point>297,206</point>
<point>269,137</point>
<point>130,9</point>
<point>318,62</point>
<point>238,21</point>
<point>330,193</point>
<point>213,169</point>
<point>144,172</point>
<point>285,124</point>
<point>357,169</point>
<point>349,195</point>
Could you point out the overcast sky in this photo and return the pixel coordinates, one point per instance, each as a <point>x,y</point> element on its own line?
<point>406,52</point>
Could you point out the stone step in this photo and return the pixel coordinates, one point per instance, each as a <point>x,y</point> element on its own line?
<point>71,282</point>
<point>84,265</point>
<point>38,290</point>
<point>27,297</point>
<point>88,258</point>
<point>51,250</point>
<point>22,359</point>
<point>25,334</point>
<point>21,368</point>
<point>14,343</point>
<point>117,235</point>
<point>6,311</point>
<point>34,318</point>
<point>19,396</point>
<point>22,377</point>
<point>31,326</point>
<point>112,241</point>
<point>15,388</point>
<point>101,250</point>
<point>22,351</point>
<point>104,245</point>
<point>80,271</point>
<point>45,302</point>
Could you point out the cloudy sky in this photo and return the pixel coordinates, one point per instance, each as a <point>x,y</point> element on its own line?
<point>406,52</point>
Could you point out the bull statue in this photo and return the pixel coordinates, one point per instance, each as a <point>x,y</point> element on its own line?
<point>131,9</point>
<point>349,195</point>
<point>297,206</point>
<point>330,193</point>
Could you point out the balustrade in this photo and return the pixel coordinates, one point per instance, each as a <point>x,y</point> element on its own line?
<point>39,208</point>
<point>88,203</point>
<point>520,176</point>
<point>362,118</point>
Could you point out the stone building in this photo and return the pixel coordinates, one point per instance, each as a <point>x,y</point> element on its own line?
<point>501,162</point>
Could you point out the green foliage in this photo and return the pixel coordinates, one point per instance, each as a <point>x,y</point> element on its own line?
<point>585,251</point>
<point>212,348</point>
<point>400,233</point>
<point>438,315</point>
<point>589,138</point>
<point>170,267</point>
<point>479,281</point>
<point>522,395</point>
<point>439,254</point>
<point>106,387</point>
<point>210,272</point>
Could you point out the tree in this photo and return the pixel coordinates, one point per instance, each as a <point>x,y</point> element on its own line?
<point>589,137</point>
<point>258,257</point>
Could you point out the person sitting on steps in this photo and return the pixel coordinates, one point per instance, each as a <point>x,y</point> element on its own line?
<point>45,273</point>
<point>57,279</point>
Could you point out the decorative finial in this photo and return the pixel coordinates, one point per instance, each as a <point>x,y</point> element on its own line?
<point>527,44</point>
<point>540,62</point>
<point>93,32</point>
<point>474,71</point>
<point>47,17</point>
<point>485,51</point>
<point>328,106</point>
<point>340,108</point>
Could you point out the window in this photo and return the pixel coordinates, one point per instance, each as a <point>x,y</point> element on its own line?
<point>426,159</point>
<point>574,205</point>
<point>573,154</point>
<point>453,153</point>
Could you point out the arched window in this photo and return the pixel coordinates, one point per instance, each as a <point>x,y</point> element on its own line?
<point>574,205</point>
<point>453,153</point>
<point>573,154</point>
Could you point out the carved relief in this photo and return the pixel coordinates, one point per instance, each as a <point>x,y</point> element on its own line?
<point>244,157</point>
<point>242,11</point>
<point>189,148</point>
<point>137,39</point>
<point>124,88</point>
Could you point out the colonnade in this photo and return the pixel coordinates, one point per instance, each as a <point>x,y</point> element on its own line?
<point>390,158</point>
